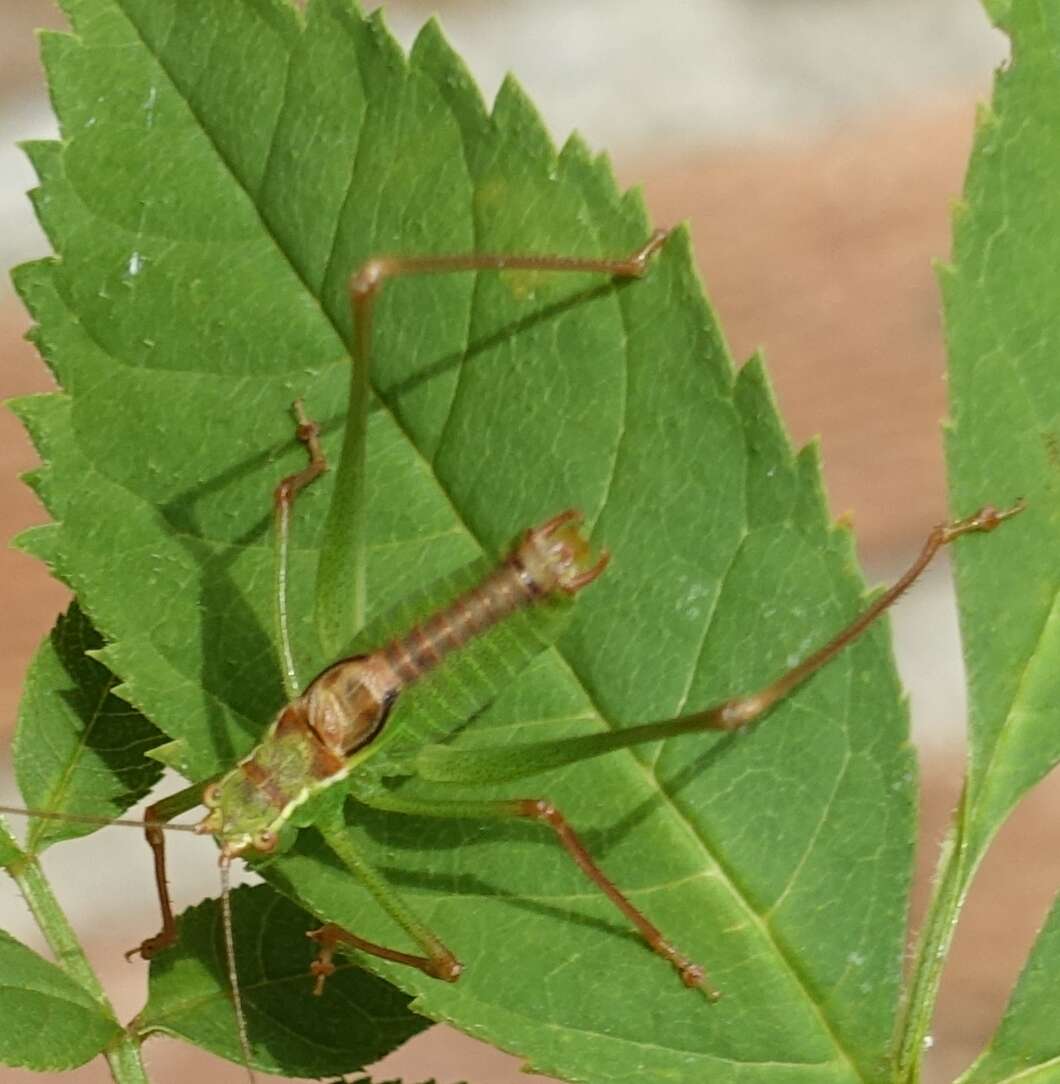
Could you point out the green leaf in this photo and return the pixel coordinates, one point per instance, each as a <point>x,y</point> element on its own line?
<point>78,749</point>
<point>1026,1046</point>
<point>359,1018</point>
<point>1002,316</point>
<point>1002,312</point>
<point>50,1022</point>
<point>369,1080</point>
<point>10,851</point>
<point>223,169</point>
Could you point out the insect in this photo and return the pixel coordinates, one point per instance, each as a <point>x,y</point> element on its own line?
<point>382,712</point>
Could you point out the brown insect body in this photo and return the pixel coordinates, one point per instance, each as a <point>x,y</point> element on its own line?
<point>345,708</point>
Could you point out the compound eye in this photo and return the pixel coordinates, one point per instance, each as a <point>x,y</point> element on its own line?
<point>265,840</point>
<point>211,796</point>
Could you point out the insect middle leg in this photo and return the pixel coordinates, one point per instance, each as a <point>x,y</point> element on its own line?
<point>544,812</point>
<point>340,587</point>
<point>366,284</point>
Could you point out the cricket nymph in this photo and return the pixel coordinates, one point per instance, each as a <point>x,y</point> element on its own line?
<point>345,708</point>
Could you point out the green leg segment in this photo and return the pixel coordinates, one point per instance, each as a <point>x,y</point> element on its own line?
<point>543,812</point>
<point>437,961</point>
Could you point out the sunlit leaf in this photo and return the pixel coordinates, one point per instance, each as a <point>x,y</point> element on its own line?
<point>49,1022</point>
<point>223,169</point>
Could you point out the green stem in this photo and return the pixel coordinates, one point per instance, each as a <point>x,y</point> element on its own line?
<point>57,931</point>
<point>936,934</point>
<point>126,1066</point>
<point>124,1055</point>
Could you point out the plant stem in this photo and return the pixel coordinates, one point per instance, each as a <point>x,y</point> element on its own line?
<point>126,1067</point>
<point>936,934</point>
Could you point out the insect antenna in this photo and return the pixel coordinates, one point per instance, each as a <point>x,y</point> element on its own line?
<point>226,901</point>
<point>103,822</point>
<point>230,959</point>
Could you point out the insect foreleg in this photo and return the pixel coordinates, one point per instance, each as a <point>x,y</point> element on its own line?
<point>544,812</point>
<point>308,432</point>
<point>437,961</point>
<point>156,815</point>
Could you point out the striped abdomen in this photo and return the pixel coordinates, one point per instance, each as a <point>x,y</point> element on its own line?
<point>348,703</point>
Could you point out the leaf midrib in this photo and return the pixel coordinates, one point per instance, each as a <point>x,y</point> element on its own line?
<point>1005,732</point>
<point>679,817</point>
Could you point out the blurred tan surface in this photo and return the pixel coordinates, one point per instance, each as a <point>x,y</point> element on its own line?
<point>821,254</point>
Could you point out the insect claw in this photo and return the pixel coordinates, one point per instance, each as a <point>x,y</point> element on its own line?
<point>321,970</point>
<point>1019,505</point>
<point>448,970</point>
<point>695,978</point>
<point>150,947</point>
<point>986,519</point>
<point>639,260</point>
<point>323,967</point>
<point>369,277</point>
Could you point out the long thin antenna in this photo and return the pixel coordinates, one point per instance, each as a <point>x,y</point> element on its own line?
<point>103,822</point>
<point>230,956</point>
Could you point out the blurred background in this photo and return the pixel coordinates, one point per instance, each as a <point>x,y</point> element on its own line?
<point>816,147</point>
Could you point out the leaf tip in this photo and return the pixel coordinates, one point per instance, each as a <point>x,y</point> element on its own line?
<point>40,542</point>
<point>514,113</point>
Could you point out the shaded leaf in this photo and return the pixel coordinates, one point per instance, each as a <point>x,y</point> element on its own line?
<point>359,1018</point>
<point>78,749</point>
<point>368,1080</point>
